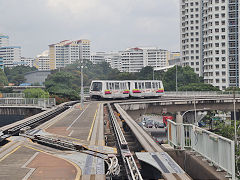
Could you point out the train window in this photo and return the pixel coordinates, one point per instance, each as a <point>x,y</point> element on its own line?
<point>112,86</point>
<point>159,85</point>
<point>148,85</point>
<point>140,85</point>
<point>143,87</point>
<point>136,87</point>
<point>153,85</point>
<point>107,85</point>
<point>97,86</point>
<point>123,86</point>
<point>116,85</point>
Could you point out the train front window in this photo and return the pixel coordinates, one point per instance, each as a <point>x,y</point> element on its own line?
<point>153,85</point>
<point>148,85</point>
<point>96,86</point>
<point>117,86</point>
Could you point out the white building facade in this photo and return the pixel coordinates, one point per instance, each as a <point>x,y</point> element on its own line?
<point>42,61</point>
<point>67,52</point>
<point>134,59</point>
<point>4,40</point>
<point>210,39</point>
<point>27,61</point>
<point>97,57</point>
<point>10,55</point>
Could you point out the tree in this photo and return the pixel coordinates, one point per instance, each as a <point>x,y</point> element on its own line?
<point>185,76</point>
<point>198,87</point>
<point>62,84</point>
<point>35,93</point>
<point>146,73</point>
<point>16,74</point>
<point>3,78</point>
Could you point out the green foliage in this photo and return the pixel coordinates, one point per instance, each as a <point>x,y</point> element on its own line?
<point>225,130</point>
<point>145,73</point>
<point>198,87</point>
<point>35,93</point>
<point>16,74</point>
<point>232,89</point>
<point>58,99</point>
<point>6,90</point>
<point>185,76</point>
<point>3,78</point>
<point>63,84</point>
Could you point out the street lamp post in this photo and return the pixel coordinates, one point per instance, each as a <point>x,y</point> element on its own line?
<point>234,114</point>
<point>82,93</point>
<point>153,73</point>
<point>176,80</point>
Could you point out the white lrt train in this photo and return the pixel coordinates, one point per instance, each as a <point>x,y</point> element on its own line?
<point>109,89</point>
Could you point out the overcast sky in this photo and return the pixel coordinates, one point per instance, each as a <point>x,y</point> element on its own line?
<point>110,25</point>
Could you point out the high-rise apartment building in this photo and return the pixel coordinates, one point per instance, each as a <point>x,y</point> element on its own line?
<point>4,40</point>
<point>134,59</point>
<point>11,55</point>
<point>210,39</point>
<point>1,63</point>
<point>42,61</point>
<point>66,52</point>
<point>27,61</point>
<point>113,58</point>
<point>97,57</point>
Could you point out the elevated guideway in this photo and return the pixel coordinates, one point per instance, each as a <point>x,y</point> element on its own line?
<point>154,155</point>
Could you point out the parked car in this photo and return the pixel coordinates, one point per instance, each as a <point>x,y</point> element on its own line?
<point>149,124</point>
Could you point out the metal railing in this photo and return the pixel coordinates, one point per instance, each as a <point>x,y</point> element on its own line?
<point>128,160</point>
<point>12,95</point>
<point>218,150</point>
<point>40,102</point>
<point>201,93</point>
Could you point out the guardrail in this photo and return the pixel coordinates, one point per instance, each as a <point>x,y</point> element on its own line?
<point>40,102</point>
<point>12,95</point>
<point>201,93</point>
<point>128,160</point>
<point>214,148</point>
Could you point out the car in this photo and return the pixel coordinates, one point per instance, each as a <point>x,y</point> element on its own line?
<point>159,125</point>
<point>149,124</point>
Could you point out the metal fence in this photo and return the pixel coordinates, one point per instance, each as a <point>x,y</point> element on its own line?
<point>201,93</point>
<point>12,95</point>
<point>40,102</point>
<point>218,150</point>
